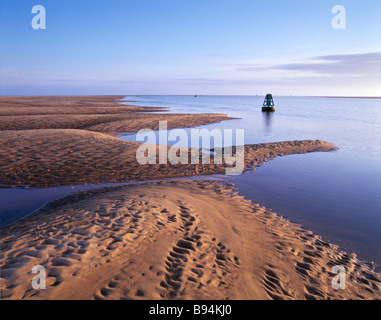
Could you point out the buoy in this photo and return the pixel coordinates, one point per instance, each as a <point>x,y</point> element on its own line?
<point>268,104</point>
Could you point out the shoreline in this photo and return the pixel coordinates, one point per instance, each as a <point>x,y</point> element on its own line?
<point>40,154</point>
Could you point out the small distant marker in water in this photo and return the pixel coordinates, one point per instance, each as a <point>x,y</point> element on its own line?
<point>268,104</point>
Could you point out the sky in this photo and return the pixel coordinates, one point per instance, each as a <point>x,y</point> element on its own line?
<point>170,47</point>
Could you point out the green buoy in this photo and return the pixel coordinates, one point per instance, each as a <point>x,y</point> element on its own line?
<point>268,104</point>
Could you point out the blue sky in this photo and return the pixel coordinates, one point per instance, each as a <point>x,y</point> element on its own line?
<point>191,46</point>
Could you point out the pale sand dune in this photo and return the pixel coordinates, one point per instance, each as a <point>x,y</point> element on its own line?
<point>179,240</point>
<point>53,157</point>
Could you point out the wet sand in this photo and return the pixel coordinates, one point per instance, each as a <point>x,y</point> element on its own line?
<point>163,240</point>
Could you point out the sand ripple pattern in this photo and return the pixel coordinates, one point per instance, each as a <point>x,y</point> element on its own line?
<point>172,240</point>
<point>313,262</point>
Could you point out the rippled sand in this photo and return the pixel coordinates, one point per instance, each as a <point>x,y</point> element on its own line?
<point>173,240</point>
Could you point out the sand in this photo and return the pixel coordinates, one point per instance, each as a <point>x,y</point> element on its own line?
<point>173,240</point>
<point>53,105</point>
<point>158,240</point>
<point>53,157</point>
<point>104,114</point>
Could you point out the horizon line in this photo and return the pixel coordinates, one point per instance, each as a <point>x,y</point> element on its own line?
<point>186,95</point>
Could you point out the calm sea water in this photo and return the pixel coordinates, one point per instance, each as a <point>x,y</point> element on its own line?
<point>335,194</point>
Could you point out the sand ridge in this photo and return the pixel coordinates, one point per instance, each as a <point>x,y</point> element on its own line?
<point>173,240</point>
<point>54,105</point>
<point>53,157</point>
<point>95,113</point>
